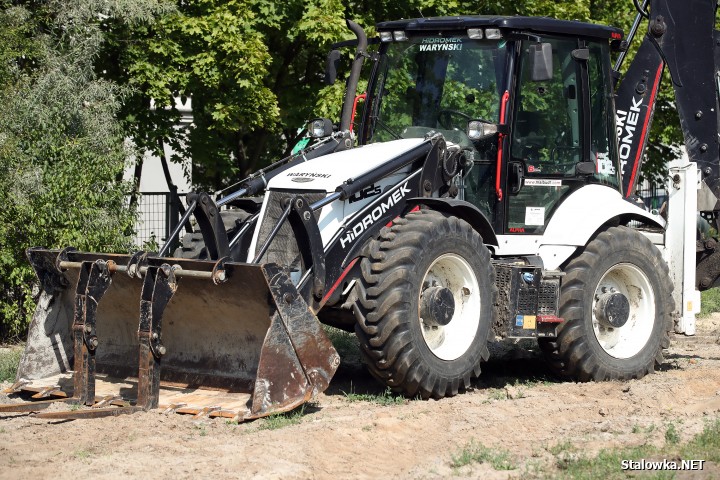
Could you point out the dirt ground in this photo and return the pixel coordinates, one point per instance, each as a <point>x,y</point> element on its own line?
<point>517,406</point>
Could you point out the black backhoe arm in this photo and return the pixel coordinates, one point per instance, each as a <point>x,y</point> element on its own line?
<point>680,36</point>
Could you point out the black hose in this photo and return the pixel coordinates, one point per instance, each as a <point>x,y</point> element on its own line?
<point>633,30</point>
<point>642,10</point>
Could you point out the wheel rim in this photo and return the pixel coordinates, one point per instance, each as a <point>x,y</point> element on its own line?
<point>628,340</point>
<point>451,341</point>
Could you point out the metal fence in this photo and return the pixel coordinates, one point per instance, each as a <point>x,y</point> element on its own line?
<point>653,195</point>
<point>158,216</point>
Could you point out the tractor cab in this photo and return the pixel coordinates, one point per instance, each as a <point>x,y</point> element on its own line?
<point>528,100</point>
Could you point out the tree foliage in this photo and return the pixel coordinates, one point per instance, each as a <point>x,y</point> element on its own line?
<point>62,149</point>
<point>254,71</point>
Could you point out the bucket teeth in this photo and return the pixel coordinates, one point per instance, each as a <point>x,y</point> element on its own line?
<point>159,286</point>
<point>94,281</point>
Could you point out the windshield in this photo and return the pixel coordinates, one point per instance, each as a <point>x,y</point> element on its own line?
<point>437,83</point>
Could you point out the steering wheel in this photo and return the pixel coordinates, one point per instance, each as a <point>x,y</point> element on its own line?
<point>444,118</point>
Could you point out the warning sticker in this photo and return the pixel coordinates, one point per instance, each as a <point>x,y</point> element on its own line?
<point>519,319</point>
<point>542,182</point>
<point>529,322</point>
<point>534,215</point>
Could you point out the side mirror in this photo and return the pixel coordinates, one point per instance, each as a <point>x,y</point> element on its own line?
<point>333,60</point>
<point>541,62</point>
<point>585,168</point>
<point>320,128</point>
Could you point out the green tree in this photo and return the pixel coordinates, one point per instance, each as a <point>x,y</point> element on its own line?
<point>250,66</point>
<point>254,71</point>
<point>62,149</point>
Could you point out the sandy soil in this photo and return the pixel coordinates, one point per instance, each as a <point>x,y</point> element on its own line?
<point>517,406</point>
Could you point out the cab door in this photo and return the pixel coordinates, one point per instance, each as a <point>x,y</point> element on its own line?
<point>563,134</point>
<point>547,133</point>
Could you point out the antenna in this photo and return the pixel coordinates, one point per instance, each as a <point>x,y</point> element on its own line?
<point>420,11</point>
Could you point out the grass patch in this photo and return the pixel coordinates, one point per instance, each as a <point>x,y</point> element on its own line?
<point>497,394</point>
<point>386,398</point>
<point>671,434</point>
<point>9,361</point>
<point>282,420</point>
<point>82,454</point>
<point>608,463</point>
<point>559,448</point>
<point>710,302</point>
<point>705,446</point>
<point>475,452</point>
<point>344,342</point>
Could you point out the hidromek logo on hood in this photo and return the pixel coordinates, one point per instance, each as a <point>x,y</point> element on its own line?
<point>374,215</point>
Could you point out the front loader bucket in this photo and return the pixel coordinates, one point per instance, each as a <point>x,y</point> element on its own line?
<point>218,339</point>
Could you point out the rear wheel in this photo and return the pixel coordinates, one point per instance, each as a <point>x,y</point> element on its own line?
<point>616,299</point>
<point>424,308</point>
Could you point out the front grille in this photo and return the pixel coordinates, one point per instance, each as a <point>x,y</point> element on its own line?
<point>519,298</point>
<point>283,250</point>
<point>548,297</point>
<point>527,301</point>
<point>503,280</point>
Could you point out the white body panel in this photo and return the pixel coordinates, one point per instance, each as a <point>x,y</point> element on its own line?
<point>679,250</point>
<point>572,225</point>
<point>330,171</point>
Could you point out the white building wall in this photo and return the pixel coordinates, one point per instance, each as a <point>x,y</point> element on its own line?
<point>152,221</point>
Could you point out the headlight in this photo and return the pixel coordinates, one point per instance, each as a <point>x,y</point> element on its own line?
<point>400,36</point>
<point>478,130</point>
<point>386,36</point>
<point>475,33</point>
<point>493,33</point>
<point>320,127</point>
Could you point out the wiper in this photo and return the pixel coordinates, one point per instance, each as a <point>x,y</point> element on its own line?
<point>386,128</point>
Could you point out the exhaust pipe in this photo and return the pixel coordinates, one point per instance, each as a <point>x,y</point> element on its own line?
<point>352,83</point>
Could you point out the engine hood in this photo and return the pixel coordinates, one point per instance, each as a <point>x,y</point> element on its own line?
<point>328,172</point>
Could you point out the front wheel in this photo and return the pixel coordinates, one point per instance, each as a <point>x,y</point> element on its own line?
<point>616,299</point>
<point>424,309</point>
